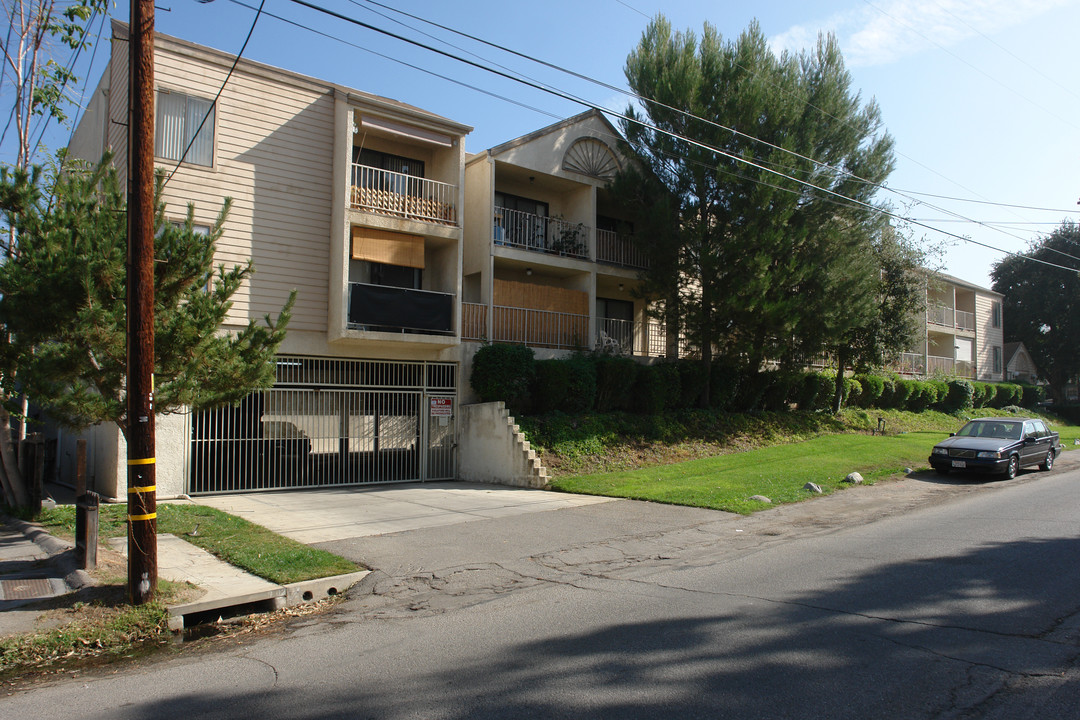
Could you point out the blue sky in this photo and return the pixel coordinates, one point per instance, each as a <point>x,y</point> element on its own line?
<point>982,96</point>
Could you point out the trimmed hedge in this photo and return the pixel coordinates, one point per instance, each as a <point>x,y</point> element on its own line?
<point>615,377</point>
<point>872,388</point>
<point>960,396</point>
<point>550,387</point>
<point>504,372</point>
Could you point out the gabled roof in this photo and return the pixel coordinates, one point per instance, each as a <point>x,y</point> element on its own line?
<point>964,283</point>
<point>553,128</point>
<point>1010,349</point>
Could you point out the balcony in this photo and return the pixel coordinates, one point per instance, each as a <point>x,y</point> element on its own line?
<point>911,364</point>
<point>395,194</point>
<point>949,366</point>
<point>535,328</point>
<point>537,233</point>
<point>400,310</point>
<point>950,318</point>
<point>617,249</point>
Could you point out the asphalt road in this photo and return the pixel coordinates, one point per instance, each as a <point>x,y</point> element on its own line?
<point>964,607</point>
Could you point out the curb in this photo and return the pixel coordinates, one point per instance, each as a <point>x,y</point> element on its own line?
<point>74,578</point>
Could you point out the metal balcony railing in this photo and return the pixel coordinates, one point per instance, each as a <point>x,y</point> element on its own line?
<point>611,247</point>
<point>941,315</point>
<point>965,320</point>
<point>541,234</point>
<point>399,195</point>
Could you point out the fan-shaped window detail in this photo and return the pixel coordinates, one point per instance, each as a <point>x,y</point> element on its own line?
<point>591,157</point>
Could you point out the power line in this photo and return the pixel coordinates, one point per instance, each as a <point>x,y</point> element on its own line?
<point>656,103</point>
<point>586,103</point>
<point>213,105</point>
<point>970,65</point>
<point>401,62</point>
<point>987,202</point>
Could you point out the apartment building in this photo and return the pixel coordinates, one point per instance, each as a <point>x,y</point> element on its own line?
<point>549,256</point>
<point>353,200</point>
<point>962,333</point>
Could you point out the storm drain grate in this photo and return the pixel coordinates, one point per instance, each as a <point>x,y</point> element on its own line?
<point>26,589</point>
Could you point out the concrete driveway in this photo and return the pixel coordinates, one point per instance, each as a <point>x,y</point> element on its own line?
<point>316,516</point>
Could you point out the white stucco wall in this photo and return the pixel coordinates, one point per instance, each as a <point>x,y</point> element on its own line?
<point>491,450</point>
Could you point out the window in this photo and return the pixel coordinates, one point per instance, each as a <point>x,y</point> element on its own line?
<point>386,161</point>
<point>995,314</point>
<point>177,118</point>
<point>997,359</point>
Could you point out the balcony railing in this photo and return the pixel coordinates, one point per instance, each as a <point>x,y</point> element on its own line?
<point>611,247</point>
<point>540,328</point>
<point>541,234</point>
<point>473,321</point>
<point>949,366</point>
<point>393,309</point>
<point>399,195</point>
<point>941,315</point>
<point>911,364</point>
<point>948,317</point>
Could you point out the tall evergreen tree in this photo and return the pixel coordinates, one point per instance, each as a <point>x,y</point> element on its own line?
<point>64,296</point>
<point>763,258</point>
<point>1042,305</point>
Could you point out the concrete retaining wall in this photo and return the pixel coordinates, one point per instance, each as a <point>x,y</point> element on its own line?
<point>492,448</point>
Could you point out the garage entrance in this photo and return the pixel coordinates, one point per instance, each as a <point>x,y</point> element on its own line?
<point>330,422</point>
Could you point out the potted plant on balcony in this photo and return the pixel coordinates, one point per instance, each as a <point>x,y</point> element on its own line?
<point>567,239</point>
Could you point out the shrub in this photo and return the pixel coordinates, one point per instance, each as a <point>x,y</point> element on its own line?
<point>550,385</point>
<point>615,382</point>
<point>960,396</point>
<point>752,387</point>
<point>1007,394</point>
<point>990,391</point>
<point>723,384</point>
<point>905,391</point>
<point>888,393</point>
<point>940,389</point>
<point>581,383</point>
<point>922,396</point>
<point>691,382</point>
<point>671,382</point>
<point>649,390</point>
<point>778,390</point>
<point>806,393</point>
<point>1032,395</point>
<point>504,372</point>
<point>872,388</point>
<point>852,391</point>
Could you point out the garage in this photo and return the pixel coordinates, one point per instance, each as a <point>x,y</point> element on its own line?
<point>330,422</point>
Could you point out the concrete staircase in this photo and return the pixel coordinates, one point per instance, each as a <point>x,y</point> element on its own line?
<point>494,450</point>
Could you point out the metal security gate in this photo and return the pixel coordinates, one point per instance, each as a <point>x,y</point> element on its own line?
<point>330,422</point>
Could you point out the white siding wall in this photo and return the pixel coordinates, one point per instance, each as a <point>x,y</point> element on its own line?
<point>987,337</point>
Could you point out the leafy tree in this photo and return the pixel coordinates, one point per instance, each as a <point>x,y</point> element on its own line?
<point>64,295</point>
<point>1042,304</point>
<point>761,258</point>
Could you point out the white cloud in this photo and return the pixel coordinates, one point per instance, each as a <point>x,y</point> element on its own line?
<point>884,31</point>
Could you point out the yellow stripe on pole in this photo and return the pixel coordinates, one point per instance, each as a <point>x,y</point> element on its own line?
<point>142,461</point>
<point>146,489</point>
<point>137,518</point>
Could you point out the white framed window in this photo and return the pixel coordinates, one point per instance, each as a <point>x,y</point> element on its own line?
<point>177,117</point>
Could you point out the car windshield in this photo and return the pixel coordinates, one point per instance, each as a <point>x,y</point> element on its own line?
<point>991,429</point>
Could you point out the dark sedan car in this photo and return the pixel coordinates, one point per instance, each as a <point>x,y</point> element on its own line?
<point>997,445</point>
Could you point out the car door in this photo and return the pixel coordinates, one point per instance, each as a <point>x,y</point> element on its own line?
<point>1032,451</point>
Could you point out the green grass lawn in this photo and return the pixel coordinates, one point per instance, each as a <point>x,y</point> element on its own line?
<point>234,540</point>
<point>727,482</point>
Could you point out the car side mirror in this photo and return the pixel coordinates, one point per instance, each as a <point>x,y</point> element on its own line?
<point>952,434</point>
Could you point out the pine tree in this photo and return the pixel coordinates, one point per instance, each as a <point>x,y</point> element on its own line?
<point>64,303</point>
<point>763,259</point>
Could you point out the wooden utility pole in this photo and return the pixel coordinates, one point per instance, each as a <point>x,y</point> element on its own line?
<point>141,475</point>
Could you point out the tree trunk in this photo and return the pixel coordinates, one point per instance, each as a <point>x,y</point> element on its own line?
<point>841,363</point>
<point>14,486</point>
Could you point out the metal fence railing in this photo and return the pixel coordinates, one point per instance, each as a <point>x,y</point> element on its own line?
<point>611,247</point>
<point>538,233</point>
<point>392,193</point>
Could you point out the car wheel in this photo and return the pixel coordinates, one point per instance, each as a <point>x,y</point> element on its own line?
<point>1048,463</point>
<point>1014,466</point>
